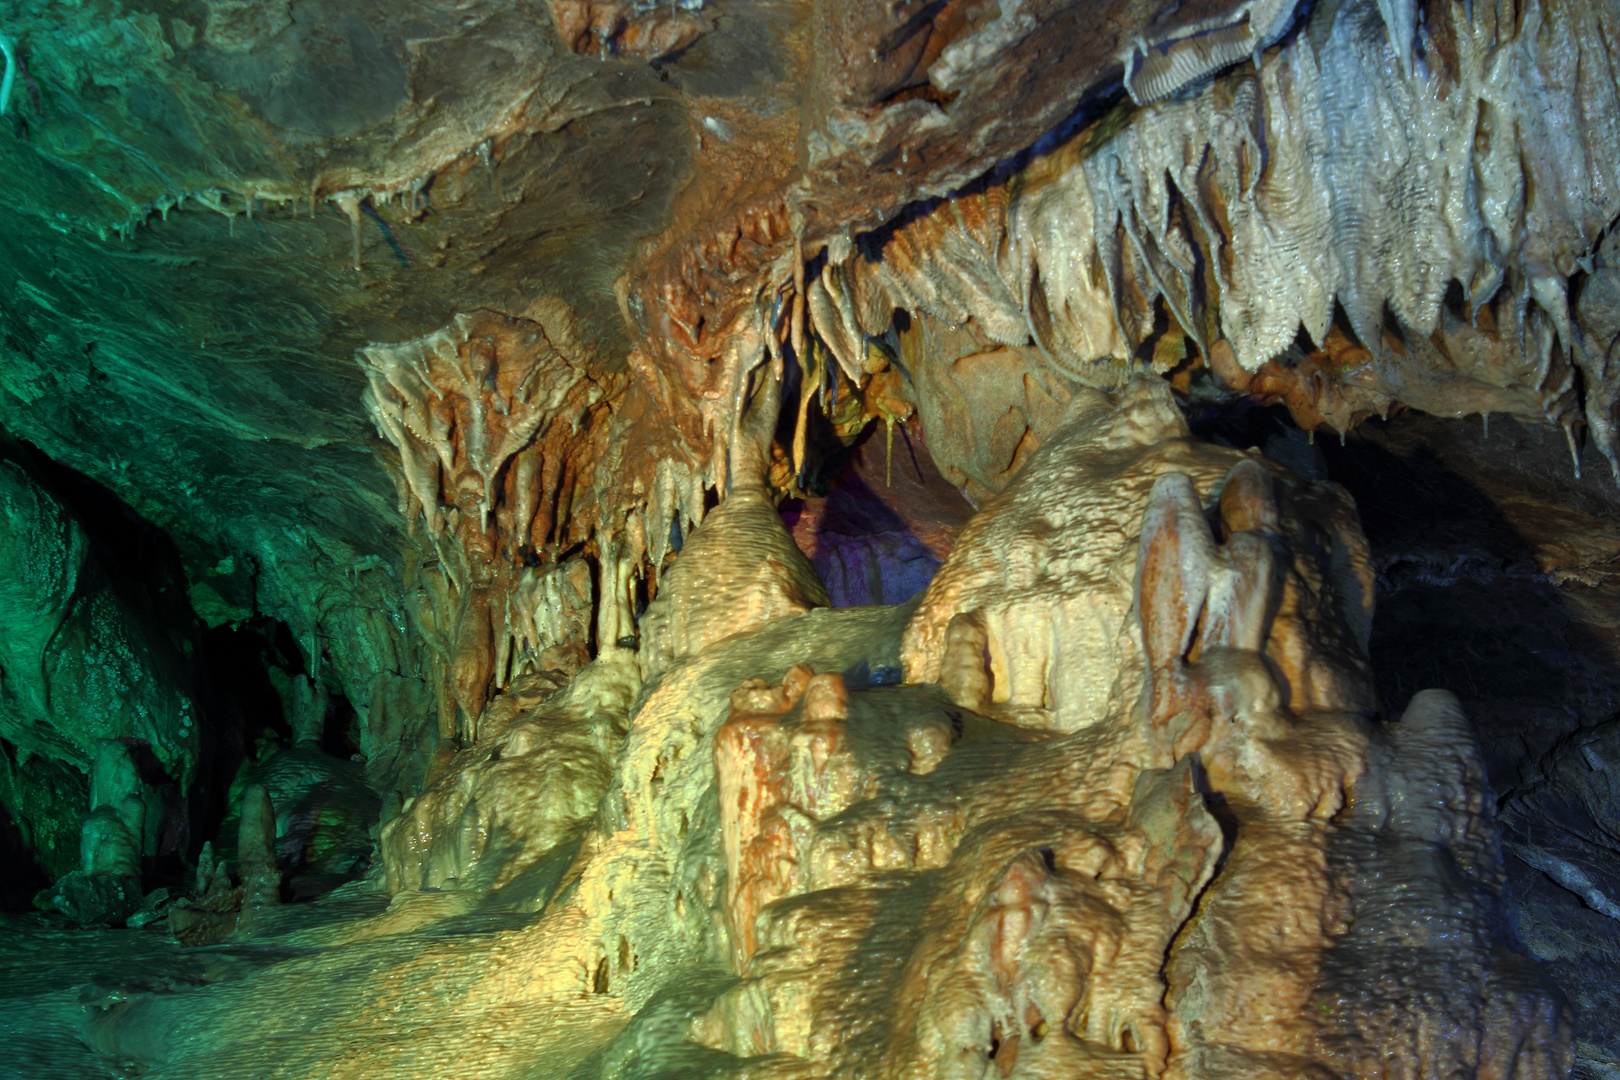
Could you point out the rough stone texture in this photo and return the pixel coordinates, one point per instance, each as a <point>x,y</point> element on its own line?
<point>528,788</point>
<point>1233,870</point>
<point>92,898</point>
<point>739,569</point>
<point>1071,557</point>
<point>609,282</point>
<point>1559,836</point>
<point>243,198</point>
<point>78,666</point>
<point>1323,192</point>
<point>1507,557</point>
<point>885,520</point>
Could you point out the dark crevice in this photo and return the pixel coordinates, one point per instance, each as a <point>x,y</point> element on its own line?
<point>225,671</point>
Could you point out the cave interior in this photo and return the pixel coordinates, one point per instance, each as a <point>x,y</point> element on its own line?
<point>619,540</point>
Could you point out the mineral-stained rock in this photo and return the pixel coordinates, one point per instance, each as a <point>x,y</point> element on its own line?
<point>1046,573</point>
<point>938,945</point>
<point>988,408</point>
<point>739,569</point>
<point>499,807</point>
<point>1219,864</point>
<point>493,364</point>
<point>1043,918</point>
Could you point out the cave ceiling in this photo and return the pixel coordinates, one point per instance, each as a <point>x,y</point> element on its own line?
<point>215,205</point>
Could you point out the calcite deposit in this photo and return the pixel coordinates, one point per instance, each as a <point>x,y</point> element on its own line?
<point>596,539</point>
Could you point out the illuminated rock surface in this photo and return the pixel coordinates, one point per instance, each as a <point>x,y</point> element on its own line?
<point>614,539</point>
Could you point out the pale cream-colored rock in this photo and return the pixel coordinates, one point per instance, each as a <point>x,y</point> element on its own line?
<point>1211,864</point>
<point>1044,576</point>
<point>1243,972</point>
<point>740,568</point>
<point>1311,944</point>
<point>494,809</point>
<point>1022,891</point>
<point>1325,181</point>
<point>906,888</point>
<point>1051,928</point>
<point>481,412</point>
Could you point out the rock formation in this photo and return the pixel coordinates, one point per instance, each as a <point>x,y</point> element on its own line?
<point>611,539</point>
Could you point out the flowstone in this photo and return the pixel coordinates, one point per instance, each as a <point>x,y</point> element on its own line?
<point>1172,840</point>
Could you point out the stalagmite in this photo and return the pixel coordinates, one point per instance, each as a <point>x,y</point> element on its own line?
<point>112,835</point>
<point>737,570</point>
<point>256,857</point>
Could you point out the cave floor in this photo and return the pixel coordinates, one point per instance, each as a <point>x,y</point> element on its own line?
<point>54,978</point>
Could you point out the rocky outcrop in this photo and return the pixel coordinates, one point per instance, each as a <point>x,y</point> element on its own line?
<point>523,793</point>
<point>1224,866</point>
<point>78,667</point>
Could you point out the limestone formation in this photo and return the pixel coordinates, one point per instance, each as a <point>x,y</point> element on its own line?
<point>743,570</point>
<point>256,856</point>
<point>595,539</point>
<point>114,833</point>
<point>79,667</point>
<point>1327,175</point>
<point>522,793</point>
<point>106,887</point>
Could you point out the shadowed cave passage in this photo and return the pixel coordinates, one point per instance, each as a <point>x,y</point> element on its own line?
<point>235,670</point>
<point>1503,590</point>
<point>1496,582</point>
<point>881,518</point>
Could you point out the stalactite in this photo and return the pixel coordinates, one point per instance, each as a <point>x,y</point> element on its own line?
<point>481,414</point>
<point>1327,179</point>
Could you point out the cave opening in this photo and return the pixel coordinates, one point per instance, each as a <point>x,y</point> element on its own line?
<point>232,677</point>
